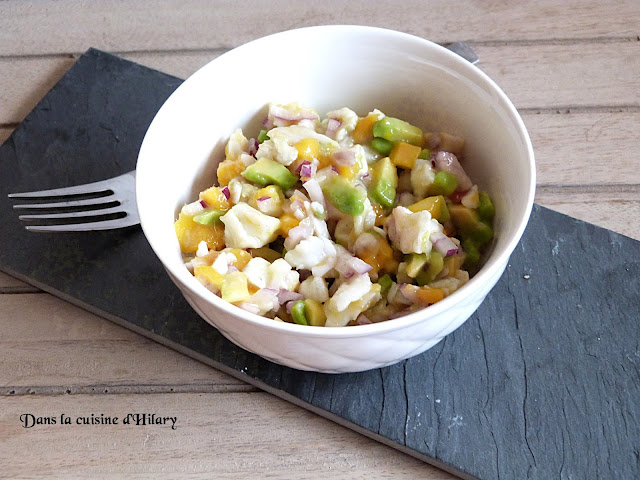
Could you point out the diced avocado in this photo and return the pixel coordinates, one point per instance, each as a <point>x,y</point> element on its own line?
<point>486,210</point>
<point>444,183</point>
<point>382,145</point>
<point>262,136</point>
<point>425,153</point>
<point>209,217</point>
<point>469,224</point>
<point>314,313</point>
<point>396,130</point>
<point>436,264</point>
<point>344,195</point>
<point>297,313</point>
<point>384,180</point>
<point>436,205</point>
<point>385,283</point>
<point>267,253</point>
<point>269,172</point>
<point>234,287</point>
<point>415,264</point>
<point>472,253</point>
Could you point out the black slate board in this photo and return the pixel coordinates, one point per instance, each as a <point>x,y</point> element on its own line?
<point>543,381</point>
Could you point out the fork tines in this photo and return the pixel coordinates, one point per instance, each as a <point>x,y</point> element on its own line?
<point>103,205</point>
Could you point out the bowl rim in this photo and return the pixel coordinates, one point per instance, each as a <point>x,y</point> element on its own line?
<point>487,271</point>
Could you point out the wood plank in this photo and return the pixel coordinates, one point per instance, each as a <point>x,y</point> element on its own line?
<point>217,436</point>
<point>585,148</point>
<point>551,76</point>
<point>523,71</point>
<point>38,332</point>
<point>156,25</point>
<point>5,132</point>
<point>615,208</point>
<point>24,81</point>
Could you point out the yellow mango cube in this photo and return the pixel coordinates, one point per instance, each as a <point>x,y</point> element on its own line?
<point>191,233</point>
<point>404,155</point>
<point>287,222</point>
<point>228,170</point>
<point>308,149</point>
<point>208,275</point>
<point>363,133</point>
<point>215,198</point>
<point>428,295</point>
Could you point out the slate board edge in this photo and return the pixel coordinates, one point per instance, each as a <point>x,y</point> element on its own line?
<point>236,374</point>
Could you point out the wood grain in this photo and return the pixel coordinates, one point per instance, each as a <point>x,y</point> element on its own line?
<point>534,76</point>
<point>231,435</point>
<point>589,147</point>
<point>142,25</point>
<point>38,332</point>
<point>616,208</point>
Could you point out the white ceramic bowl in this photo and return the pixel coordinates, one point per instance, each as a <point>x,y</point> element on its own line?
<point>326,68</point>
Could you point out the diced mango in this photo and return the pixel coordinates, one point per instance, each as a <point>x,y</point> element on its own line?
<point>209,275</point>
<point>380,257</point>
<point>363,132</point>
<point>215,198</point>
<point>435,205</point>
<point>287,222</point>
<point>242,255</point>
<point>325,156</point>
<point>272,207</point>
<point>228,170</point>
<point>308,149</point>
<point>404,155</point>
<point>380,216</point>
<point>428,295</point>
<point>349,172</point>
<point>191,233</point>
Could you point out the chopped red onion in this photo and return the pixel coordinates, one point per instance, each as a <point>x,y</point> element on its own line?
<point>448,162</point>
<point>348,265</point>
<point>285,296</point>
<point>253,147</point>
<point>266,197</point>
<point>289,305</point>
<point>443,244</point>
<point>203,203</point>
<point>345,158</point>
<point>299,168</point>
<point>332,127</point>
<point>226,193</point>
<point>307,170</point>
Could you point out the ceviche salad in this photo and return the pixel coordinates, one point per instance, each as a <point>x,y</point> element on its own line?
<point>339,221</point>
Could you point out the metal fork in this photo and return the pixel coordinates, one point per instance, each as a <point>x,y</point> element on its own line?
<point>119,191</point>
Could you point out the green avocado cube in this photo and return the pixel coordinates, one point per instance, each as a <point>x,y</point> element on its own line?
<point>384,181</point>
<point>344,195</point>
<point>470,225</point>
<point>269,172</point>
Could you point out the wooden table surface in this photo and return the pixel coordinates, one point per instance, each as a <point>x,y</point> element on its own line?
<point>571,68</point>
